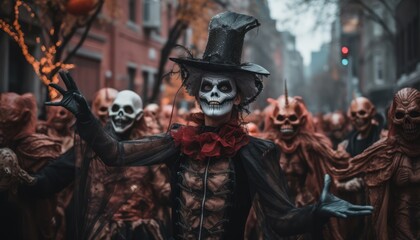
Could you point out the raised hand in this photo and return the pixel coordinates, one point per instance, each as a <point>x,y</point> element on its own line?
<point>332,206</point>
<point>72,98</point>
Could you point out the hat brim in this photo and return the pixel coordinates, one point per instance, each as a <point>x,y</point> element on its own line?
<point>205,65</point>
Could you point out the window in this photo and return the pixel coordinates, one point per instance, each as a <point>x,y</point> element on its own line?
<point>379,69</point>
<point>151,14</point>
<point>377,28</point>
<point>131,78</point>
<point>149,78</point>
<point>145,75</point>
<point>132,10</point>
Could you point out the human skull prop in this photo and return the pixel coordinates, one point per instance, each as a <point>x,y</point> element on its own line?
<point>217,94</point>
<point>102,101</point>
<point>405,113</point>
<point>361,113</point>
<point>126,109</point>
<point>288,115</point>
<point>10,171</point>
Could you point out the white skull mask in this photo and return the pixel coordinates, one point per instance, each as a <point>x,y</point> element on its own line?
<point>126,109</point>
<point>217,94</point>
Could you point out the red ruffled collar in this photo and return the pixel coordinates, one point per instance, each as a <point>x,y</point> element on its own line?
<point>200,144</point>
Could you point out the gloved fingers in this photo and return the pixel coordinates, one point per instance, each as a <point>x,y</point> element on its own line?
<point>58,88</point>
<point>327,185</point>
<point>53,104</point>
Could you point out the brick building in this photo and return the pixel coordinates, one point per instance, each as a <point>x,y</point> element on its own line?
<point>121,52</point>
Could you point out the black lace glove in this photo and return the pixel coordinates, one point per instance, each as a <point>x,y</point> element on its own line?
<point>72,98</point>
<point>332,206</point>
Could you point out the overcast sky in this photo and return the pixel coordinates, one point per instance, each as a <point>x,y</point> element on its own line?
<point>308,38</point>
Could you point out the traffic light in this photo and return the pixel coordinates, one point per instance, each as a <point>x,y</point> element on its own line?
<point>344,56</point>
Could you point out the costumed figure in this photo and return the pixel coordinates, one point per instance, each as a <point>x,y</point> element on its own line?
<point>115,202</point>
<point>391,172</point>
<point>141,193</point>
<point>337,127</point>
<point>59,126</point>
<point>361,113</point>
<point>365,133</point>
<point>306,155</point>
<point>23,217</point>
<point>216,168</point>
<point>101,102</point>
<point>151,115</point>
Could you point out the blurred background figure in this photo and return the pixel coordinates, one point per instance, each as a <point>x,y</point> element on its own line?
<point>337,127</point>
<point>101,102</point>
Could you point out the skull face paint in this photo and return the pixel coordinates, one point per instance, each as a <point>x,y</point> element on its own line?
<point>217,94</point>
<point>361,112</point>
<point>126,109</point>
<point>405,113</point>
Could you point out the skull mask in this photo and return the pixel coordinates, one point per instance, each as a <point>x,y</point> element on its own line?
<point>217,94</point>
<point>405,113</point>
<point>337,125</point>
<point>361,113</point>
<point>59,118</point>
<point>101,103</point>
<point>288,116</point>
<point>126,109</point>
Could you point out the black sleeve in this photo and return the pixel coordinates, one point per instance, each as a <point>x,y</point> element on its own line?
<point>54,177</point>
<point>143,152</point>
<point>268,183</point>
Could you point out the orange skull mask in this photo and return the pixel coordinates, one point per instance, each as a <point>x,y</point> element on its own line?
<point>59,118</point>
<point>361,113</point>
<point>101,103</point>
<point>337,124</point>
<point>405,114</point>
<point>288,116</point>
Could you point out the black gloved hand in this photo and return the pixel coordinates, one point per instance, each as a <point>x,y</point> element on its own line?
<point>72,98</point>
<point>332,206</point>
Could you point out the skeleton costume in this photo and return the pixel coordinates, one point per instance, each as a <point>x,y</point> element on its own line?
<point>391,172</point>
<point>216,171</point>
<point>115,202</point>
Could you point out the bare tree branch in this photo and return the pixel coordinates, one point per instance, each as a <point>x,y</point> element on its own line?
<point>378,19</point>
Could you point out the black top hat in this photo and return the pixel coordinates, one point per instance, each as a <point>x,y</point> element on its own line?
<point>224,46</point>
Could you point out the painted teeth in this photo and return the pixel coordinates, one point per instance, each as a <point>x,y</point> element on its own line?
<point>214,103</point>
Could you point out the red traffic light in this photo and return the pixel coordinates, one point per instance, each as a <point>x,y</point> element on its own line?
<point>344,50</point>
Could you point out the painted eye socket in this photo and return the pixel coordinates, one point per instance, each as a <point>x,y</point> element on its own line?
<point>399,115</point>
<point>353,114</point>
<point>224,87</point>
<point>103,109</point>
<point>362,112</point>
<point>206,87</point>
<point>128,109</point>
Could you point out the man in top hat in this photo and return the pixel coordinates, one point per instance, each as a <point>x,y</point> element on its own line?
<point>217,169</point>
